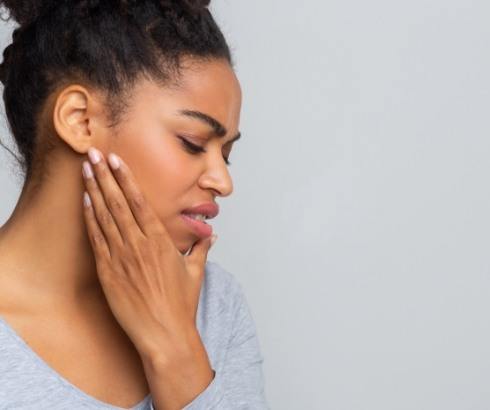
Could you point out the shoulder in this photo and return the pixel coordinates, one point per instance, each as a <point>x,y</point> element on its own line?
<point>221,300</point>
<point>224,318</point>
<point>226,314</point>
<point>218,278</point>
<point>220,285</point>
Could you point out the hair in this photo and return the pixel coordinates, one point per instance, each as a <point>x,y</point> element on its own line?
<point>106,44</point>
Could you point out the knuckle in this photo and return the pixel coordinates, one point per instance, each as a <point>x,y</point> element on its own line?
<point>198,272</point>
<point>115,204</point>
<point>122,177</point>
<point>134,243</point>
<point>143,240</point>
<point>105,218</point>
<point>102,168</point>
<point>98,239</point>
<point>139,202</point>
<point>91,184</point>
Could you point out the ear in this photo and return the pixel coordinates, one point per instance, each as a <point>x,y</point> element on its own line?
<point>78,117</point>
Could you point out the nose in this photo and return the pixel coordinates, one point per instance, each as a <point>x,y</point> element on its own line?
<point>217,176</point>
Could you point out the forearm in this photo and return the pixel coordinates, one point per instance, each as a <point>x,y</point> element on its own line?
<point>175,378</point>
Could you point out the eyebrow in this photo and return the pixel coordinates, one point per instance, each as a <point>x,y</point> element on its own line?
<point>218,129</point>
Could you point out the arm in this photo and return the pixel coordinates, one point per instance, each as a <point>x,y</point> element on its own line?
<point>240,384</point>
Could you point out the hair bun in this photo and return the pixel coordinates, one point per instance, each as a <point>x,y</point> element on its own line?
<point>26,11</point>
<point>198,4</point>
<point>192,6</point>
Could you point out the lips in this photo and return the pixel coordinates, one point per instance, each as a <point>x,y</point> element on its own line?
<point>200,228</point>
<point>210,209</point>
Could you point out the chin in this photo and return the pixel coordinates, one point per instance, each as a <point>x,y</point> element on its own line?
<point>185,246</point>
<point>185,251</point>
<point>181,236</point>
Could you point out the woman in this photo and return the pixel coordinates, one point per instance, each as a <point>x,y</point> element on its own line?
<point>112,304</point>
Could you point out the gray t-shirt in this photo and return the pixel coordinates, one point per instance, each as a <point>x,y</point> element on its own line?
<point>227,330</point>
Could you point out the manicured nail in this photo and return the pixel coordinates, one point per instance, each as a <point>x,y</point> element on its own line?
<point>213,239</point>
<point>86,199</point>
<point>87,170</point>
<point>94,155</point>
<point>114,161</point>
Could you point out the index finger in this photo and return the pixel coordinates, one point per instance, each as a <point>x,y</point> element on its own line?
<point>141,209</point>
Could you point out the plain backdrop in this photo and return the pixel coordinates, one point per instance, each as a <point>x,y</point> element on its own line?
<point>359,223</point>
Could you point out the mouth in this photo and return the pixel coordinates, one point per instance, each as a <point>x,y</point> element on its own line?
<point>196,217</point>
<point>197,224</point>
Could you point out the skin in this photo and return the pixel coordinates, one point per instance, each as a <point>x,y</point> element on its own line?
<point>46,258</point>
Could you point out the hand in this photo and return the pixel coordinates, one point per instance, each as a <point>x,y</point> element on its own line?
<point>152,289</point>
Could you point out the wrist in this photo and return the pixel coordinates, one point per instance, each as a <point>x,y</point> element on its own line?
<point>176,377</point>
<point>163,353</point>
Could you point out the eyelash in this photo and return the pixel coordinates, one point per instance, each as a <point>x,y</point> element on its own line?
<point>196,149</point>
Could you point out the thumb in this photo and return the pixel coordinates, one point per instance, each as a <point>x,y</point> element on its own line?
<point>199,251</point>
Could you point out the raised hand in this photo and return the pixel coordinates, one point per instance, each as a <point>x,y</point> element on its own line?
<point>152,289</point>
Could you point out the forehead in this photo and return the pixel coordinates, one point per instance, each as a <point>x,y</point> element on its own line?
<point>210,87</point>
<point>210,80</point>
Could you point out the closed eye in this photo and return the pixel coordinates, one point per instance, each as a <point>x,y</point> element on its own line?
<point>196,149</point>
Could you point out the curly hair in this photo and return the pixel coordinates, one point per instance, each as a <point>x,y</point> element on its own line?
<point>107,44</point>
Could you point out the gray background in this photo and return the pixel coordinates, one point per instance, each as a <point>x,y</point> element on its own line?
<point>359,223</point>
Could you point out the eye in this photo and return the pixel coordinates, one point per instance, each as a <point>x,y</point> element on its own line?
<point>193,148</point>
<point>196,149</point>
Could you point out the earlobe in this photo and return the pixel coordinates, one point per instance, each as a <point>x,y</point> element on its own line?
<point>73,117</point>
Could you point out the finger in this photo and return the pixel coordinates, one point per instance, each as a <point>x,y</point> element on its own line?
<point>113,196</point>
<point>199,253</point>
<point>96,237</point>
<point>101,212</point>
<point>144,214</point>
<point>195,265</point>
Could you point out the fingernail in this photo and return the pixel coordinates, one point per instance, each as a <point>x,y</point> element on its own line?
<point>94,155</point>
<point>213,239</point>
<point>114,161</point>
<point>86,199</point>
<point>87,170</point>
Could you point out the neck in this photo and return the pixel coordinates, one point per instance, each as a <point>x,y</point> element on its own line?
<point>45,253</point>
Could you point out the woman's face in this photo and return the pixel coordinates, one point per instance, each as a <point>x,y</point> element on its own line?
<point>151,139</point>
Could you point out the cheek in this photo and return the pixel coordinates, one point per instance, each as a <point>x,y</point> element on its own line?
<point>167,181</point>
<point>163,172</point>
